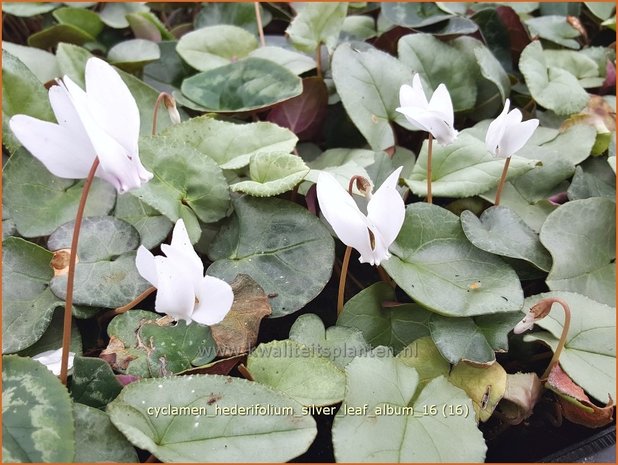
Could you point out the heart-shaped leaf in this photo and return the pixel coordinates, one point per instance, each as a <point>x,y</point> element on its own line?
<point>369,95</point>
<point>214,46</point>
<point>377,423</point>
<point>297,63</point>
<point>294,266</point>
<point>210,427</point>
<point>134,54</point>
<point>500,231</point>
<point>232,145</point>
<point>115,14</point>
<point>580,235</point>
<point>37,421</point>
<point>59,33</point>
<point>272,174</point>
<point>27,302</point>
<point>152,227</point>
<point>93,382</point>
<point>97,439</point>
<point>86,20</point>
<point>434,263</point>
<point>315,24</point>
<point>41,63</point>
<point>554,28</point>
<point>246,85</point>
<point>298,371</point>
<point>414,15</point>
<point>236,14</point>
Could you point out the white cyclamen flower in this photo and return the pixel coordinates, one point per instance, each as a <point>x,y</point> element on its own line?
<point>507,133</point>
<point>435,116</point>
<point>102,121</point>
<point>52,359</point>
<point>183,292</point>
<point>370,234</point>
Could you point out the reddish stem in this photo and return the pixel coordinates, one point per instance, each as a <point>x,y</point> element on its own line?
<point>258,18</point>
<point>565,331</point>
<point>429,152</point>
<point>502,181</point>
<point>68,306</point>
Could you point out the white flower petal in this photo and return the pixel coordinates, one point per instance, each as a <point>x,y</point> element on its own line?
<point>67,117</point>
<point>507,133</point>
<point>53,146</point>
<point>52,359</point>
<point>495,131</point>
<point>386,210</point>
<point>516,137</point>
<point>175,290</point>
<point>441,103</point>
<point>341,212</point>
<point>113,107</point>
<point>146,266</point>
<point>414,115</point>
<point>181,242</point>
<point>215,298</point>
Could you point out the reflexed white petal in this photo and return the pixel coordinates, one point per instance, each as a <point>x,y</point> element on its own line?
<point>193,269</point>
<point>415,116</point>
<point>413,96</point>
<point>181,242</point>
<point>52,359</point>
<point>215,298</point>
<point>54,146</point>
<point>111,103</point>
<point>175,290</point>
<point>441,103</point>
<point>67,117</point>
<point>495,131</point>
<point>516,137</point>
<point>146,266</point>
<point>342,214</point>
<point>435,124</point>
<point>386,210</point>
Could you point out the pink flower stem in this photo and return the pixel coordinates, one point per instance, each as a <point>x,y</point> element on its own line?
<point>68,305</point>
<point>502,180</point>
<point>429,151</point>
<point>258,18</point>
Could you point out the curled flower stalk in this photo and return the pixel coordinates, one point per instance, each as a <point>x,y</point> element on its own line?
<point>170,105</point>
<point>96,135</point>
<point>372,233</point>
<point>506,135</point>
<point>540,311</point>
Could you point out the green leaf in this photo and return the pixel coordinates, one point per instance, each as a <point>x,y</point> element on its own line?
<point>554,88</point>
<point>142,344</point>
<point>298,371</point>
<point>22,93</point>
<point>463,168</point>
<point>37,418</point>
<point>425,358</point>
<point>358,27</point>
<point>206,434</point>
<point>337,343</point>
<point>434,263</point>
<point>294,266</point>
<point>152,227</point>
<point>583,67</point>
<point>54,35</point>
<point>558,157</point>
<point>375,435</point>
<point>169,70</point>
<point>585,185</point>
<point>414,15</point>
<point>86,20</point>
<point>40,63</point>
<point>232,145</point>
<point>27,302</point>
<point>316,24</point>
<point>492,70</point>
<point>602,10</point>
<point>271,174</point>
<point>52,337</point>
<point>115,14</point>
<point>589,355</point>
<point>554,28</point>
<point>297,63</point>
<point>146,25</point>
<point>394,327</point>
<point>39,202</point>
<point>93,382</point>
<point>26,10</point>
<point>210,47</point>
<point>134,54</point>
<point>246,85</point>
<point>235,14</point>
<point>369,95</point>
<point>439,62</point>
<point>98,440</point>
<point>72,61</point>
<point>185,183</point>
<point>501,231</point>
<point>580,235</point>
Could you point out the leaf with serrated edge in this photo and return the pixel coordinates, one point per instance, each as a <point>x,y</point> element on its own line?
<point>272,174</point>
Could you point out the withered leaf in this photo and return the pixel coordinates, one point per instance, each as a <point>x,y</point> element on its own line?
<point>238,332</point>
